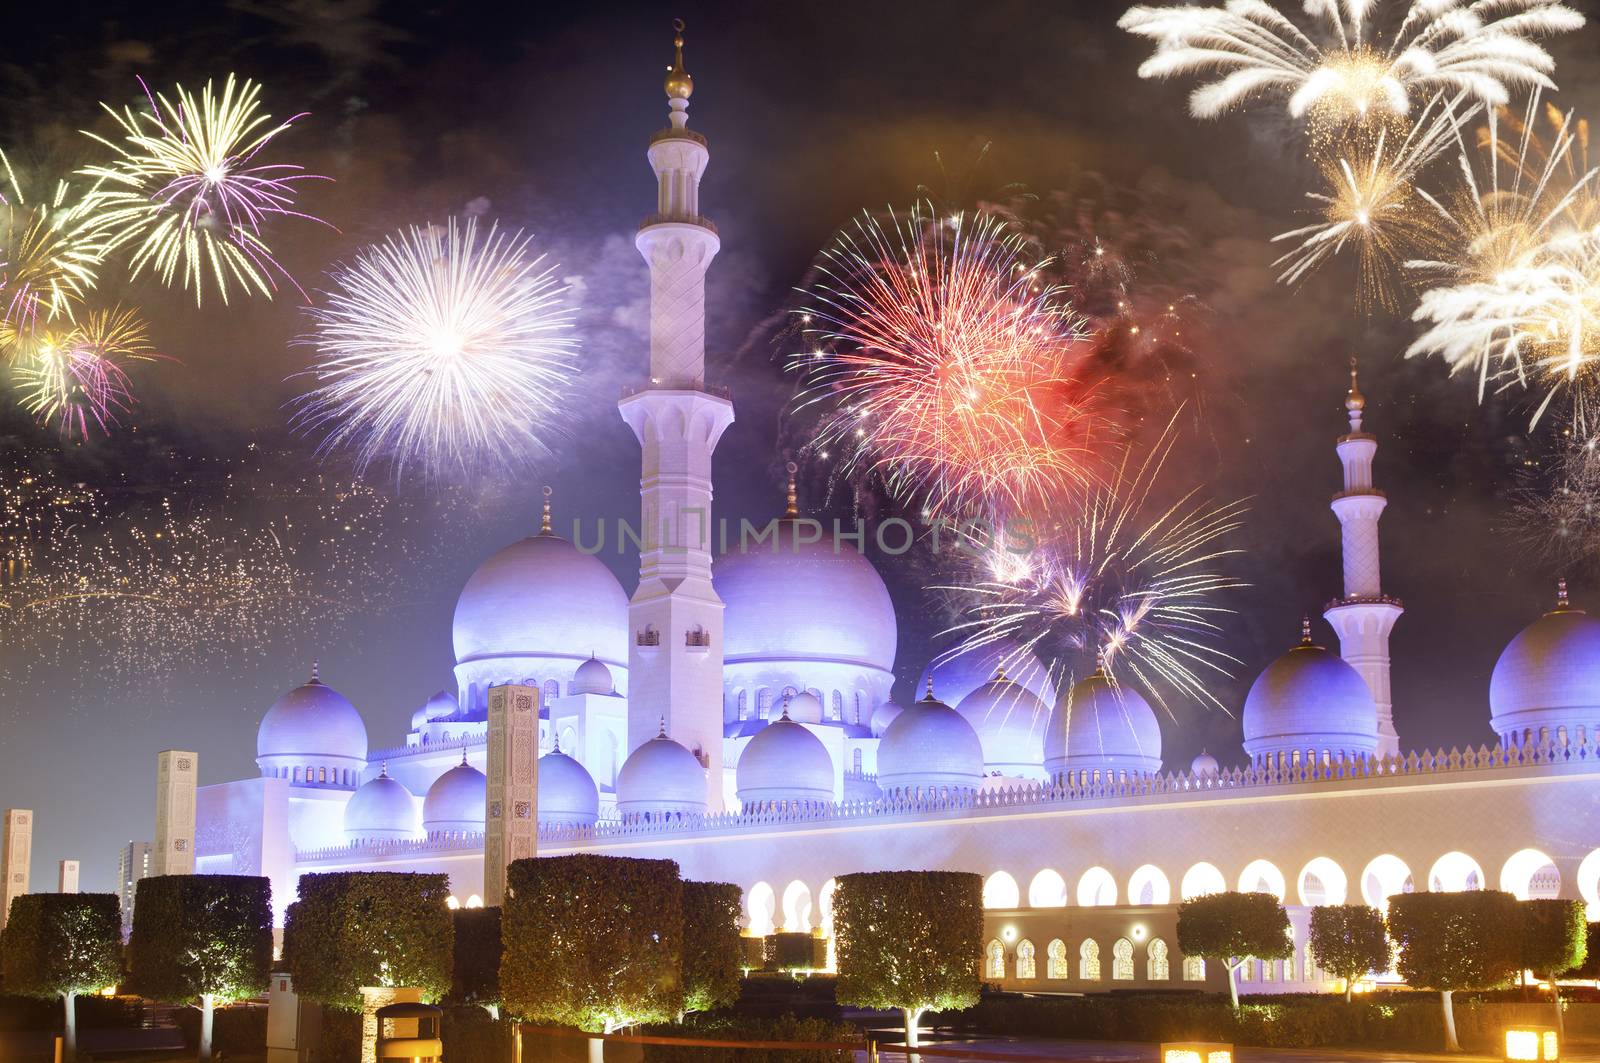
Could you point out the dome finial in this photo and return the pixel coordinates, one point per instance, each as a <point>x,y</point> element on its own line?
<point>1354,401</point>
<point>1561,594</point>
<point>463,756</point>
<point>383,769</point>
<point>929,695</point>
<point>663,732</point>
<point>316,669</point>
<point>1305,629</point>
<point>544,518</point>
<point>679,84</point>
<point>784,715</point>
<point>791,508</point>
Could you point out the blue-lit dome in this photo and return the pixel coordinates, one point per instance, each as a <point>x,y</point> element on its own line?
<point>1548,679</point>
<point>804,707</point>
<point>1011,722</point>
<point>784,762</point>
<point>1309,703</point>
<point>661,778</point>
<point>883,716</point>
<point>1205,765</point>
<point>593,677</point>
<point>957,674</point>
<point>568,796</point>
<point>1104,727</point>
<point>441,706</point>
<point>456,801</point>
<point>930,746</point>
<point>381,810</point>
<point>311,725</point>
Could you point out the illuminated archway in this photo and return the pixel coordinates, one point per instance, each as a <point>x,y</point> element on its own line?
<point>1047,890</point>
<point>1384,877</point>
<point>1000,891</point>
<point>1454,872</point>
<point>1589,883</point>
<point>1149,885</point>
<point>1263,876</point>
<point>1530,874</point>
<point>1097,889</point>
<point>761,903</point>
<point>825,906</point>
<point>1201,879</point>
<point>1322,881</point>
<point>797,908</point>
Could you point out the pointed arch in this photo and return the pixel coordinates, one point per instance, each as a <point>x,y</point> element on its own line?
<point>1122,960</point>
<point>1089,960</point>
<point>994,960</point>
<point>1027,964</point>
<point>1158,966</point>
<point>1047,890</point>
<point>1055,960</point>
<point>1000,891</point>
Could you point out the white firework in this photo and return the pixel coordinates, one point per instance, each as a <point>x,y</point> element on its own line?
<point>1335,69</point>
<point>442,348</point>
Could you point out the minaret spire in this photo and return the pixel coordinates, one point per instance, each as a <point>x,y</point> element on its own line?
<point>544,516</point>
<point>791,508</point>
<point>678,420</point>
<point>1363,616</point>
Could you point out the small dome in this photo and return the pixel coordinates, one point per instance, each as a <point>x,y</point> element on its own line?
<point>312,721</point>
<point>957,673</point>
<point>1548,678</point>
<point>456,801</point>
<point>930,746</point>
<point>441,706</point>
<point>568,796</point>
<point>804,707</point>
<point>784,762</point>
<point>381,810</point>
<point>1011,723</point>
<point>593,677</point>
<point>661,778</point>
<point>1205,765</point>
<point>1312,703</point>
<point>883,716</point>
<point>1102,726</point>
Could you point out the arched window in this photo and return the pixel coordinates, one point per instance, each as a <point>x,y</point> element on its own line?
<point>1055,960</point>
<point>552,691</point>
<point>296,775</point>
<point>1089,961</point>
<point>855,761</point>
<point>1156,965</point>
<point>838,705</point>
<point>744,705</point>
<point>322,774</point>
<point>1000,891</point>
<point>1194,969</point>
<point>1026,966</point>
<point>1269,970</point>
<point>764,703</point>
<point>994,963</point>
<point>1122,961</point>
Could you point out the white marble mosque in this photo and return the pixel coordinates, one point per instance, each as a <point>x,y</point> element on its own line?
<point>734,714</point>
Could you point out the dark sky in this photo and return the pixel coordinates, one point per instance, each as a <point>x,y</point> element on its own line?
<point>814,112</point>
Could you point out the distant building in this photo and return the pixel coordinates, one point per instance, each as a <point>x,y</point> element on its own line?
<point>133,864</point>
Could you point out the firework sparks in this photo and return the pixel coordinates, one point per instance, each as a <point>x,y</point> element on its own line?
<point>76,377</point>
<point>442,349</point>
<point>942,361</point>
<point>1556,509</point>
<point>186,193</point>
<point>46,259</point>
<point>1334,73</point>
<point>1372,204</point>
<point>1129,581</point>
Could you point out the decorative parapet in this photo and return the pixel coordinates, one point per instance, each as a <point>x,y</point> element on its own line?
<point>678,219</point>
<point>717,391</point>
<point>477,741</point>
<point>438,842</point>
<point>1364,599</point>
<point>1227,783</point>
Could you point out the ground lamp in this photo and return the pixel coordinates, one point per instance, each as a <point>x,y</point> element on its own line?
<point>410,1032</point>
<point>1537,1043</point>
<point>1196,1052</point>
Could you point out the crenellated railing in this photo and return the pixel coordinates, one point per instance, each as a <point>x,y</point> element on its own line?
<point>437,842</point>
<point>476,741</point>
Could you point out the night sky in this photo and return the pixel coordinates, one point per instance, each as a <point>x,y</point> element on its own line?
<point>537,116</point>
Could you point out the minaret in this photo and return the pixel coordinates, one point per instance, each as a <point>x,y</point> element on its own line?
<point>1364,616</point>
<point>675,661</point>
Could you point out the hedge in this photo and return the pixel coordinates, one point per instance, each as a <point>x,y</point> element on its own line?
<point>236,1031</point>
<point>726,1027</point>
<point>471,1036</point>
<point>787,951</point>
<point>475,977</point>
<point>351,929</point>
<point>712,945</point>
<point>94,1013</point>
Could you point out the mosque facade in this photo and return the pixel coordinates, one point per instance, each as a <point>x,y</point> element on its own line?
<point>734,714</point>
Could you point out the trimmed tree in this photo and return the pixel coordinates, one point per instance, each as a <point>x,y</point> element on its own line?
<point>59,945</point>
<point>205,937</point>
<point>594,942</point>
<point>1451,941</point>
<point>1554,940</point>
<point>908,940</point>
<point>1589,969</point>
<point>1232,928</point>
<point>351,929</point>
<point>1349,940</point>
<point>475,978</point>
<point>712,947</point>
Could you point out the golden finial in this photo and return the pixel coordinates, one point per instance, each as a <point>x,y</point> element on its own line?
<point>929,695</point>
<point>1305,629</point>
<point>1354,401</point>
<point>679,84</point>
<point>544,519</point>
<point>1561,594</point>
<point>791,508</point>
<point>316,669</point>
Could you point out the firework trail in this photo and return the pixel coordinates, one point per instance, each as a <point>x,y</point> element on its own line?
<point>76,376</point>
<point>441,348</point>
<point>1556,509</point>
<point>187,195</point>
<point>938,359</point>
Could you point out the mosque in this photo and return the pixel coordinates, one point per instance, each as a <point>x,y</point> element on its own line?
<point>734,714</point>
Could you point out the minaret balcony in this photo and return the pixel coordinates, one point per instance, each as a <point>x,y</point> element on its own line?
<point>716,391</point>
<point>1365,599</point>
<point>678,134</point>
<point>697,220</point>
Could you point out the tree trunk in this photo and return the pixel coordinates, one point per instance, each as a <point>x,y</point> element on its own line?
<point>207,1011</point>
<point>597,1050</point>
<point>69,1026</point>
<point>1450,1042</point>
<point>1233,988</point>
<point>1561,1022</point>
<point>493,1010</point>
<point>1349,989</point>
<point>913,1016</point>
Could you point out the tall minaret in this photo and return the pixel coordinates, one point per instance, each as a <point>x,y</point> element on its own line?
<point>675,661</point>
<point>1365,615</point>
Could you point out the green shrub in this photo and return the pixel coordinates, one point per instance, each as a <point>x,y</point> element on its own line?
<point>471,1036</point>
<point>792,952</point>
<point>340,1039</point>
<point>236,1031</point>
<point>725,1027</point>
<point>475,977</point>
<point>712,945</point>
<point>94,1013</point>
<point>351,929</point>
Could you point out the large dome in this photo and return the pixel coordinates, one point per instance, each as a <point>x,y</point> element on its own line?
<point>957,673</point>
<point>568,796</point>
<point>788,600</point>
<point>784,762</point>
<point>456,801</point>
<point>381,810</point>
<point>883,716</point>
<point>1548,678</point>
<point>1310,702</point>
<point>541,596</point>
<point>930,746</point>
<point>1011,722</point>
<point>661,778</point>
<point>312,724</point>
<point>442,705</point>
<point>593,677</point>
<point>1102,726</point>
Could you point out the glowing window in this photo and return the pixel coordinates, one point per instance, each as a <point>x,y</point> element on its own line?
<point>1157,967</point>
<point>1047,890</point>
<point>994,962</point>
<point>1122,961</point>
<point>1000,891</point>
<point>1089,961</point>
<point>1056,965</point>
<point>1026,965</point>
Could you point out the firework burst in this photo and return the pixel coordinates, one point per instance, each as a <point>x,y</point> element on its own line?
<point>1129,581</point>
<point>939,359</point>
<point>76,376</point>
<point>46,259</point>
<point>441,348</point>
<point>1334,73</point>
<point>187,195</point>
